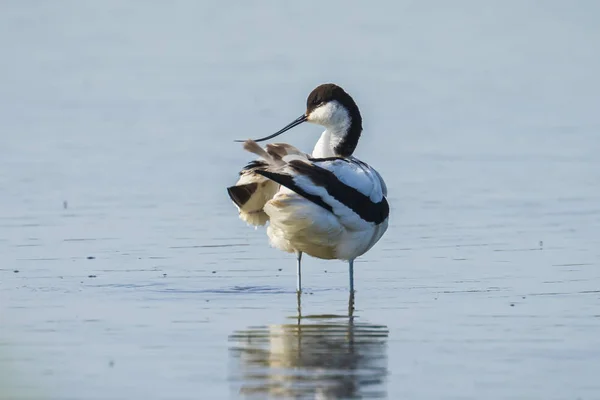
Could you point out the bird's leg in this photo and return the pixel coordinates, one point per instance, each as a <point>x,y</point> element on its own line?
<point>299,272</point>
<point>299,301</point>
<point>351,273</point>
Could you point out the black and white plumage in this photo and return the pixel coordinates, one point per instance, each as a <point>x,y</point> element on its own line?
<point>329,204</point>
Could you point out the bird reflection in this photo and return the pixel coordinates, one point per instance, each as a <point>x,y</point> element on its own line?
<point>319,356</point>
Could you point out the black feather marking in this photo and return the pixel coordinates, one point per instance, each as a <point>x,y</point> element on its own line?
<point>240,194</point>
<point>288,182</point>
<point>361,204</point>
<point>335,158</point>
<point>254,165</point>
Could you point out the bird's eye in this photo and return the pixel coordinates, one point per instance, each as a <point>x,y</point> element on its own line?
<point>314,102</point>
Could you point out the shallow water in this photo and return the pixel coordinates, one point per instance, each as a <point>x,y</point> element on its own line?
<point>125,273</point>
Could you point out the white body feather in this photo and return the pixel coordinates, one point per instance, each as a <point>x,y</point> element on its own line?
<point>298,224</point>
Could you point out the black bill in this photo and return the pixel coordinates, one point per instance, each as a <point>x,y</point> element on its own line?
<point>296,122</point>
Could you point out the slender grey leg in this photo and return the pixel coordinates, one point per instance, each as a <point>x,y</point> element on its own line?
<point>299,272</point>
<point>351,272</point>
<point>299,299</point>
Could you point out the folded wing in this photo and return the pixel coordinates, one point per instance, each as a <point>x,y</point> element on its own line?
<point>346,187</point>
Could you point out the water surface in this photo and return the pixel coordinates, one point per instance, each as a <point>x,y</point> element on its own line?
<point>125,273</point>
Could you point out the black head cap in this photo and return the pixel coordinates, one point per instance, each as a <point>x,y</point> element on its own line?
<point>329,92</point>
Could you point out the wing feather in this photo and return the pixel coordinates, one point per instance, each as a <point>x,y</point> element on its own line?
<point>346,187</point>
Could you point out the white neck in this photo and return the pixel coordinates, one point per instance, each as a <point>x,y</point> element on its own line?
<point>336,121</point>
<point>326,144</point>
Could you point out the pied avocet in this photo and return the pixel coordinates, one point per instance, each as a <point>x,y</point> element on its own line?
<point>329,204</point>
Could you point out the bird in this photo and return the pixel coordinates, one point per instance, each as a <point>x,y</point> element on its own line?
<point>327,204</point>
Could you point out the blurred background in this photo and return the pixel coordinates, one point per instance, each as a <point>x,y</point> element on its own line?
<point>125,273</point>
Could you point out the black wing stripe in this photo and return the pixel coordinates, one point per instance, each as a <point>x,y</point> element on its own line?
<point>288,182</point>
<point>328,159</point>
<point>347,195</point>
<point>361,204</point>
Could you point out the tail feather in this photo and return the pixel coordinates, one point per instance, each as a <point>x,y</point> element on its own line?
<point>253,147</point>
<point>280,150</point>
<point>254,189</point>
<point>250,194</point>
